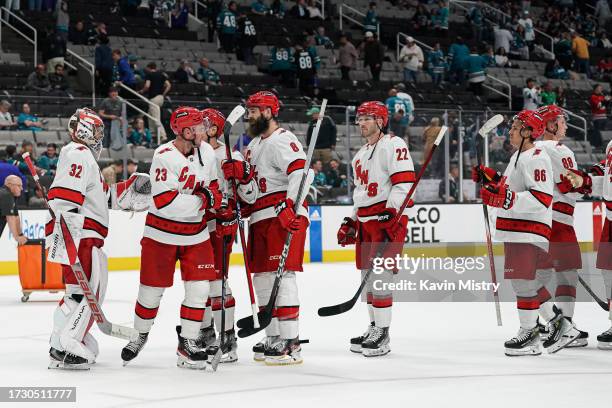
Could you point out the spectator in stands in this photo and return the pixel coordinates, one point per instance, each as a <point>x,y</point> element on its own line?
<point>226,24</point>
<point>140,135</point>
<point>122,72</point>
<point>58,80</point>
<point>110,112</point>
<point>453,186</point>
<point>26,147</point>
<point>531,95</point>
<point>48,160</point>
<point>104,65</point>
<point>421,20</point>
<point>27,121</point>
<point>247,39</point>
<point>95,34</point>
<point>155,88</point>
<point>113,172</point>
<point>132,167</point>
<point>561,98</point>
<point>62,21</point>
<point>8,167</point>
<point>78,34</point>
<point>476,68</point>
<point>179,15</point>
<point>519,46</point>
<point>139,73</point>
<point>281,63</point>
<point>554,70</point>
<point>489,56</point>
<point>319,177</point>
<point>322,39</point>
<point>207,74</point>
<point>548,96</point>
<point>55,51</point>
<point>602,12</point>
<point>501,58</point>
<point>580,49</point>
<point>313,11</point>
<point>373,55</point>
<point>412,57</point>
<point>37,199</point>
<point>11,189</point>
<point>326,141</point>
<point>399,110</point>
<point>563,51</point>
<point>440,17</point>
<point>436,64</point>
<point>300,10</point>
<point>306,64</point>
<point>503,37</point>
<point>370,22</point>
<point>529,32</point>
<point>604,41</point>
<point>6,119</point>
<point>38,80</point>
<point>457,54</point>
<point>476,19</point>
<point>604,68</point>
<point>430,133</point>
<point>182,73</point>
<point>599,104</point>
<point>259,8</point>
<point>278,9</point>
<point>347,57</point>
<point>334,175</point>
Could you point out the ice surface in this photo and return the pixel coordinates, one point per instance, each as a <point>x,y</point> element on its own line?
<point>442,355</point>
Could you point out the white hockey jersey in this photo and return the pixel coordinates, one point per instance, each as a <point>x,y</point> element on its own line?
<point>78,185</point>
<point>602,185</point>
<point>278,162</point>
<point>176,218</point>
<point>561,159</point>
<point>530,218</point>
<point>384,173</point>
<point>246,192</point>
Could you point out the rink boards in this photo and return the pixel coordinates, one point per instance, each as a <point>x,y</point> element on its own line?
<point>429,225</point>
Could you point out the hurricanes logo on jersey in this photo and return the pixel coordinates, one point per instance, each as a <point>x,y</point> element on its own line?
<point>362,175</point>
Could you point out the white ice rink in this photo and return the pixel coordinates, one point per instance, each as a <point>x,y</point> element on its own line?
<point>443,354</point>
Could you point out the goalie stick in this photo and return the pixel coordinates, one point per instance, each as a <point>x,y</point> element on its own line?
<point>348,305</point>
<point>247,324</point>
<point>483,131</point>
<point>106,327</point>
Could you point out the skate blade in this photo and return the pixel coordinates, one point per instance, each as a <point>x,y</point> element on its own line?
<point>564,342</point>
<point>578,343</point>
<point>259,357</point>
<point>529,351</point>
<point>284,361</point>
<point>125,363</point>
<point>604,345</point>
<point>381,351</point>
<point>356,348</point>
<point>59,365</point>
<point>184,362</point>
<point>229,358</point>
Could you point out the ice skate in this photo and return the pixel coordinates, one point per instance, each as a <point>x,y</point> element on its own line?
<point>356,341</point>
<point>581,341</point>
<point>604,340</point>
<point>66,361</point>
<point>206,337</point>
<point>561,333</point>
<point>284,352</point>
<point>230,349</point>
<point>260,348</point>
<point>526,343</point>
<point>189,354</point>
<point>132,349</point>
<point>377,343</point>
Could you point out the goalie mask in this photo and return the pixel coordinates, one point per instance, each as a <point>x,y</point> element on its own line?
<point>86,127</point>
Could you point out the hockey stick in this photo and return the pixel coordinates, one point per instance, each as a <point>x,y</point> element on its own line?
<point>247,324</point>
<point>601,303</point>
<point>224,266</point>
<point>106,327</point>
<point>233,117</point>
<point>483,131</point>
<point>348,305</point>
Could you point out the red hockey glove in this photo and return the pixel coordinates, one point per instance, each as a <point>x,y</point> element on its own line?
<point>226,222</point>
<point>347,233</point>
<point>565,185</point>
<point>393,227</point>
<point>498,196</point>
<point>246,210</point>
<point>237,169</point>
<point>286,215</point>
<point>581,182</point>
<point>598,169</point>
<point>483,174</point>
<point>211,198</point>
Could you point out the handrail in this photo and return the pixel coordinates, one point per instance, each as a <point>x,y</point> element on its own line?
<point>398,48</point>
<point>352,19</point>
<point>32,41</point>
<point>92,71</point>
<point>458,3</point>
<point>583,129</point>
<point>195,7</point>
<point>322,2</point>
<point>506,84</point>
<point>159,124</point>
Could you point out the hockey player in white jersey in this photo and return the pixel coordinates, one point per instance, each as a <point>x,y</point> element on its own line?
<point>277,163</point>
<point>523,197</point>
<point>222,226</point>
<point>78,189</point>
<point>600,184</point>
<point>384,173</point>
<point>184,186</point>
<point>564,250</point>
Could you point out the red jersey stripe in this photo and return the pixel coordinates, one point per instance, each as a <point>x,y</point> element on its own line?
<point>403,177</point>
<point>297,164</point>
<point>66,194</point>
<point>164,199</point>
<point>545,199</point>
<point>145,313</point>
<point>525,226</point>
<point>564,208</point>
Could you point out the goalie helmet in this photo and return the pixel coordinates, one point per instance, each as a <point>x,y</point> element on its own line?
<point>375,109</point>
<point>532,120</point>
<point>214,118</point>
<point>263,100</point>
<point>86,127</point>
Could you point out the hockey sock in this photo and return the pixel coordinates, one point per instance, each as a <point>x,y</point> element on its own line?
<point>546,307</point>
<point>527,302</point>
<point>192,308</point>
<point>230,303</point>
<point>607,277</point>
<point>288,307</point>
<point>370,307</point>
<point>262,283</point>
<point>382,298</point>
<point>565,294</point>
<point>207,320</point>
<point>147,305</point>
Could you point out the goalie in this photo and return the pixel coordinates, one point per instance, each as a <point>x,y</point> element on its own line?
<point>80,196</point>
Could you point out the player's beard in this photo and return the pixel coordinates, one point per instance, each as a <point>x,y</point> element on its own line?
<point>258,126</point>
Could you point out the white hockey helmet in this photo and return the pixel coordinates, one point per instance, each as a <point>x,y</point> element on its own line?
<point>86,126</point>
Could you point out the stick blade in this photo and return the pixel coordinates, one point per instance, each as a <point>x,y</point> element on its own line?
<point>235,114</point>
<point>491,124</point>
<point>216,359</point>
<point>336,309</point>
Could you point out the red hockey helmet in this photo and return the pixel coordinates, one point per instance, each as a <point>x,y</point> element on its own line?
<point>262,100</point>
<point>532,120</point>
<point>551,112</point>
<point>376,109</point>
<point>185,117</point>
<point>215,118</point>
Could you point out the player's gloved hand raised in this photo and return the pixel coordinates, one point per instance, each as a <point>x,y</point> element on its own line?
<point>497,196</point>
<point>211,198</point>
<point>483,174</point>
<point>347,233</point>
<point>240,170</point>
<point>393,227</point>
<point>581,181</point>
<point>287,216</point>
<point>598,169</point>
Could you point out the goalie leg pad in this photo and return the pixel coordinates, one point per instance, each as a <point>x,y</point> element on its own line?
<point>262,283</point>
<point>192,308</point>
<point>287,308</point>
